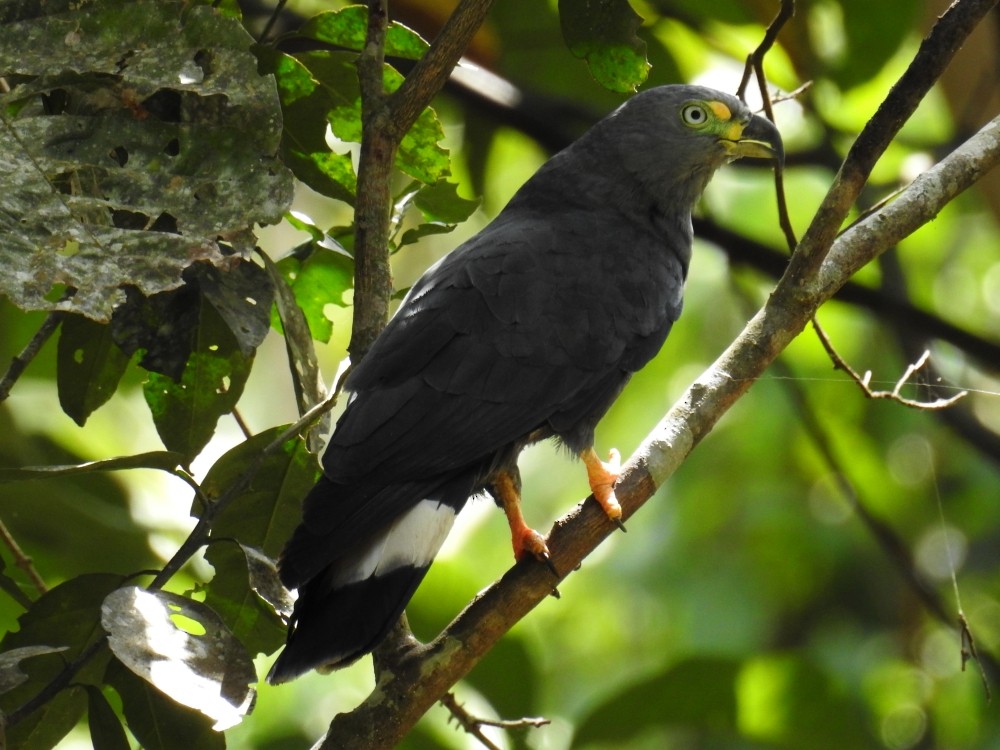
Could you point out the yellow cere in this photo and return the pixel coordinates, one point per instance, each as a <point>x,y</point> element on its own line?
<point>732,129</point>
<point>721,110</point>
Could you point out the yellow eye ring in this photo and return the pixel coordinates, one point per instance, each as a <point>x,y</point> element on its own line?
<point>695,115</point>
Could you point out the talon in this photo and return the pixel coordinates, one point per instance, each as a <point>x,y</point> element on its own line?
<point>524,539</point>
<point>602,477</point>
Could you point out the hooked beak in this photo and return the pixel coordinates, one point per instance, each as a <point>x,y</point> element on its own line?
<point>757,139</point>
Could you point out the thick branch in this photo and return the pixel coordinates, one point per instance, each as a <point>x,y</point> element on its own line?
<point>385,120</point>
<point>935,52</point>
<point>426,673</point>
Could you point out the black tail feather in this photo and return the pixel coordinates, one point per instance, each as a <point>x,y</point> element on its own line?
<point>334,628</point>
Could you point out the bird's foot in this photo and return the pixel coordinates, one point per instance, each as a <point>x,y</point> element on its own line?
<point>602,477</point>
<point>527,541</point>
<point>524,539</point>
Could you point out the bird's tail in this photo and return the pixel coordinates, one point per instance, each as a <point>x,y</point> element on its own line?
<point>354,585</point>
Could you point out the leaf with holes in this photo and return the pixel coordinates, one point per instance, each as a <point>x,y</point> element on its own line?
<point>186,411</point>
<point>89,366</point>
<point>126,151</point>
<point>182,648</point>
<point>158,722</point>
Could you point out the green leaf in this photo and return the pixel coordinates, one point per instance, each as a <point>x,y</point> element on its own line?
<point>305,106</point>
<point>184,649</point>
<point>441,202</point>
<point>265,514</point>
<point>185,412</point>
<point>323,278</point>
<point>158,722</point>
<point>90,366</point>
<point>144,162</point>
<point>304,365</point>
<point>66,620</point>
<point>348,28</point>
<point>230,593</point>
<point>161,460</point>
<point>106,731</point>
<point>420,153</point>
<point>603,32</point>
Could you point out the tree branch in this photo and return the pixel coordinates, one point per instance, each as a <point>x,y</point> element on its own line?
<point>426,673</point>
<point>385,119</point>
<point>935,52</point>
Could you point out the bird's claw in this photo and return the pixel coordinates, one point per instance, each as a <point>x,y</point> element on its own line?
<point>602,476</point>
<point>529,541</point>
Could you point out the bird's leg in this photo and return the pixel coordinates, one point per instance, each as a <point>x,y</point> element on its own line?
<point>602,477</point>
<point>524,538</point>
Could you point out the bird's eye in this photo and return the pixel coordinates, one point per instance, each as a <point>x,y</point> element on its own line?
<point>694,115</point>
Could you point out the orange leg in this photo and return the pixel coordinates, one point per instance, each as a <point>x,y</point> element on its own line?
<point>602,477</point>
<point>524,538</point>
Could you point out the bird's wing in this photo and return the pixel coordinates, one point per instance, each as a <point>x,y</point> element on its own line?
<point>533,323</point>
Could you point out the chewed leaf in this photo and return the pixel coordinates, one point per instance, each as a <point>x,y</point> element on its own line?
<point>145,166</point>
<point>159,637</point>
<point>10,673</point>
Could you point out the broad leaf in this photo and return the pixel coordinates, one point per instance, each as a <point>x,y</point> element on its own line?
<point>90,365</point>
<point>304,149</point>
<point>208,670</point>
<point>264,514</point>
<point>348,27</point>
<point>233,593</point>
<point>322,278</point>
<point>603,32</point>
<point>158,722</point>
<point>64,621</point>
<point>106,731</point>
<point>185,411</point>
<point>127,152</point>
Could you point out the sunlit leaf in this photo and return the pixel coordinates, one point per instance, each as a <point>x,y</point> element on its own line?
<point>209,671</point>
<point>305,105</point>
<point>158,722</point>
<point>348,27</point>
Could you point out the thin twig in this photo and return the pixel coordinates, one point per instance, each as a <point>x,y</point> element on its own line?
<point>21,560</point>
<point>241,423</point>
<point>864,381</point>
<point>467,721</point>
<point>19,363</point>
<point>272,19</point>
<point>755,60</point>
<point>473,724</point>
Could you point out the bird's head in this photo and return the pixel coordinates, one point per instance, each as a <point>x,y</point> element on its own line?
<point>673,138</point>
